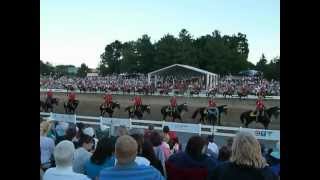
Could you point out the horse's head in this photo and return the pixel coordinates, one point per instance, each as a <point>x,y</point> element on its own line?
<point>116,105</point>
<point>183,106</point>
<point>148,108</point>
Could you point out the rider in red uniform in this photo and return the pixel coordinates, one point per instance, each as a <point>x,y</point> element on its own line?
<point>49,96</point>
<point>173,104</point>
<point>71,97</point>
<point>107,99</point>
<point>137,102</point>
<point>212,107</point>
<point>259,107</point>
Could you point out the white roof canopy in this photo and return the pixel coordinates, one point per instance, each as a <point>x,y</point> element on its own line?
<point>176,69</point>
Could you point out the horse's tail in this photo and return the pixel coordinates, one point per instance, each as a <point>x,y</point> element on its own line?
<point>195,113</point>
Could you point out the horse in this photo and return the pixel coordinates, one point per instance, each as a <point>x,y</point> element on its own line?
<point>228,93</point>
<point>176,114</point>
<point>210,117</point>
<point>212,92</point>
<point>48,104</point>
<point>109,110</point>
<point>194,92</point>
<point>243,94</point>
<point>71,108</point>
<point>246,117</point>
<point>138,112</point>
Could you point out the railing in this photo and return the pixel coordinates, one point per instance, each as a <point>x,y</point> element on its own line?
<point>103,122</point>
<point>203,94</point>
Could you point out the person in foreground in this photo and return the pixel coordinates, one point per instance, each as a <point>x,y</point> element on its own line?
<point>246,161</point>
<point>126,168</point>
<point>63,155</point>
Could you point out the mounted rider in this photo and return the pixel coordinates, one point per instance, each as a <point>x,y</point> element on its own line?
<point>71,97</point>
<point>137,102</point>
<point>259,107</point>
<point>173,104</point>
<point>49,97</point>
<point>107,100</point>
<point>212,107</point>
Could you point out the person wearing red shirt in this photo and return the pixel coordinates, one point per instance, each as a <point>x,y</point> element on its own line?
<point>173,104</point>
<point>71,97</point>
<point>137,102</point>
<point>107,99</point>
<point>259,107</point>
<point>49,96</point>
<point>212,107</point>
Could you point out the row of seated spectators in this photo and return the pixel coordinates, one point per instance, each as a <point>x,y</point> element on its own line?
<point>70,152</point>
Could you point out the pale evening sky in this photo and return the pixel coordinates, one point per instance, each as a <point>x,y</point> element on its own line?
<point>76,31</point>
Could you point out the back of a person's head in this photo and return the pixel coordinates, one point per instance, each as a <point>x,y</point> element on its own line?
<point>147,151</point>
<point>63,153</point>
<point>150,127</point>
<point>246,151</point>
<point>105,149</point>
<point>122,130</point>
<point>85,139</point>
<point>71,132</point>
<point>139,139</point>
<point>210,138</point>
<point>44,128</point>
<point>166,129</point>
<point>155,138</point>
<point>196,147</point>
<point>125,149</point>
<point>224,153</point>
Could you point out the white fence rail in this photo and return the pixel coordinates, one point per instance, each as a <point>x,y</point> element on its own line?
<point>272,135</point>
<point>203,94</point>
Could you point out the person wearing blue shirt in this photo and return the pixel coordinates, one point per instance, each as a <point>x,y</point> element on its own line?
<point>126,168</point>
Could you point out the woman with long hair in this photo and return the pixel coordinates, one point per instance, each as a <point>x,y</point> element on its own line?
<point>246,161</point>
<point>102,157</point>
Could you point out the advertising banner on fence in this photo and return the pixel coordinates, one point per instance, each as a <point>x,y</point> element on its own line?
<point>264,134</point>
<point>69,118</point>
<point>181,127</point>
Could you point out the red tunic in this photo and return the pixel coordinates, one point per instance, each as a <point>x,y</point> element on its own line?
<point>72,96</point>
<point>49,93</point>
<point>107,98</point>
<point>211,103</point>
<point>260,104</point>
<point>137,101</point>
<point>173,101</point>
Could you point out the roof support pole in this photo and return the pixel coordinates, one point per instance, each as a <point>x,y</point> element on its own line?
<point>207,82</point>
<point>149,79</point>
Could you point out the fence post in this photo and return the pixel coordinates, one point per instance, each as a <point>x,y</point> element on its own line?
<point>200,130</point>
<point>75,119</point>
<point>130,123</point>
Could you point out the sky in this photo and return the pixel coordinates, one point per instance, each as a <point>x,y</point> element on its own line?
<point>77,31</point>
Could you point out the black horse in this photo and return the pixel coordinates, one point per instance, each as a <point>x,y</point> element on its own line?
<point>176,114</point>
<point>243,94</point>
<point>228,93</point>
<point>210,117</point>
<point>247,117</point>
<point>138,112</point>
<point>212,92</point>
<point>48,104</point>
<point>70,108</point>
<point>103,108</point>
<point>194,92</point>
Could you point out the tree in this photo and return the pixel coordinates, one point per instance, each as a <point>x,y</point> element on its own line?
<point>46,68</point>
<point>145,54</point>
<point>111,58</point>
<point>83,70</point>
<point>261,64</point>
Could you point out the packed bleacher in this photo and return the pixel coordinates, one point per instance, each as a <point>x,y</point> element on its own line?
<point>252,84</point>
<point>70,152</point>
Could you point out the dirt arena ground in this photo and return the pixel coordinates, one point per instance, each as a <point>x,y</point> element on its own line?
<point>89,106</point>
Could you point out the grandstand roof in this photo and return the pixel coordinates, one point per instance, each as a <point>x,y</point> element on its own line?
<point>180,68</point>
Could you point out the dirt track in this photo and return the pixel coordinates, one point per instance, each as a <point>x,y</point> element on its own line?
<point>89,106</point>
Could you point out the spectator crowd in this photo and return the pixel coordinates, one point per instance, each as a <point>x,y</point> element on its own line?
<point>71,152</point>
<point>252,84</point>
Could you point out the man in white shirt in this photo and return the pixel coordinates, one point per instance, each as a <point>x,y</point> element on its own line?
<point>63,155</point>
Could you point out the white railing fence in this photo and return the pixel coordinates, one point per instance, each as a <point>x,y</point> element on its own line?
<point>105,122</point>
